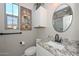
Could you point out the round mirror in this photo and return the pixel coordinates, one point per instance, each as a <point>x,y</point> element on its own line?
<point>62,18</point>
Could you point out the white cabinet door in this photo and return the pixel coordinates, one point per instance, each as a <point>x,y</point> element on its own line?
<point>36,20</point>
<point>40,17</point>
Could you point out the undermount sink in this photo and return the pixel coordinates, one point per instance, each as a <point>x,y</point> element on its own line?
<point>55,45</point>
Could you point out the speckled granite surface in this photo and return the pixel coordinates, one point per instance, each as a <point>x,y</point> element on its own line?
<point>68,50</point>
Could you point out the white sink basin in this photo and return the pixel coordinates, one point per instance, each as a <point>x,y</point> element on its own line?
<point>55,45</point>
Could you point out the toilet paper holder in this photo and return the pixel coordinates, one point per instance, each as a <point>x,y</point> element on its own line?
<point>22,43</point>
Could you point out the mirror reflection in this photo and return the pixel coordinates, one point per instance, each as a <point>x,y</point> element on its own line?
<point>62,18</point>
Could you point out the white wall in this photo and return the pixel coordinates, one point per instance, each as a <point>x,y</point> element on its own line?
<point>72,33</point>
<point>9,44</point>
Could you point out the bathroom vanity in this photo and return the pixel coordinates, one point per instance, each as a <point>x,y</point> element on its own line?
<point>51,48</point>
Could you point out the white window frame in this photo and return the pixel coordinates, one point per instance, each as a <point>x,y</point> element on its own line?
<point>6,25</point>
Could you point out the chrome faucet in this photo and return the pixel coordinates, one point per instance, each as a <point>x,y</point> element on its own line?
<point>57,38</point>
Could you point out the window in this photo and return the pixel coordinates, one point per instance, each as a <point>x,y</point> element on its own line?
<point>12,15</point>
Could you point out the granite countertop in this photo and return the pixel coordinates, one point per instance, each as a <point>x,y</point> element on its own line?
<point>68,50</point>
